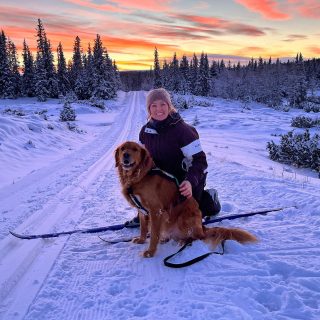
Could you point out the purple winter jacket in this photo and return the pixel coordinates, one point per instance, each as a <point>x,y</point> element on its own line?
<point>175,147</point>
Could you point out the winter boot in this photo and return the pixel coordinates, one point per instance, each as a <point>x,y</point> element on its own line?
<point>134,223</point>
<point>210,204</point>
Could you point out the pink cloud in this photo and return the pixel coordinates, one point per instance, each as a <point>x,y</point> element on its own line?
<point>221,26</point>
<point>145,5</point>
<point>124,6</point>
<point>102,7</point>
<point>307,8</point>
<point>267,8</point>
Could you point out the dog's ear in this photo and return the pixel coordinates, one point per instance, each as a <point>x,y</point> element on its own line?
<point>145,158</point>
<point>116,157</point>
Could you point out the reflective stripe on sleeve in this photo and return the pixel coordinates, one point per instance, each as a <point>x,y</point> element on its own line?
<point>192,148</point>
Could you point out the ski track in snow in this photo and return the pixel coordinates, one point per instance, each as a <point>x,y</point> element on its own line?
<point>81,277</point>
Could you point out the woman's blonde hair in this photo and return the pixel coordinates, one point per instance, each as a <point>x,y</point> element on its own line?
<point>159,94</point>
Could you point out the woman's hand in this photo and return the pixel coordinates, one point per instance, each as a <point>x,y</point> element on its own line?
<point>185,188</point>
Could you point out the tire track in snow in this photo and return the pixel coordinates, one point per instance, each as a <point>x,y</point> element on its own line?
<point>21,260</point>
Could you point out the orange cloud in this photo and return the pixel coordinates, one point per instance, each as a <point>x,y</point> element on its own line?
<point>267,8</point>
<point>315,50</point>
<point>250,51</point>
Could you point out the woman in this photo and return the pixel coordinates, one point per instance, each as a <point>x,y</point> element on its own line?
<point>175,148</point>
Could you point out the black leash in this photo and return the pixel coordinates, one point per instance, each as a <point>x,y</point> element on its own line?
<point>192,261</point>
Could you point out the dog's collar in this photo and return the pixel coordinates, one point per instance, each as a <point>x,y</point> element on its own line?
<point>165,174</point>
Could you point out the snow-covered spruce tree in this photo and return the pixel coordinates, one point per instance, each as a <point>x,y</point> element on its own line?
<point>184,73</point>
<point>214,69</point>
<point>174,75</point>
<point>46,82</point>
<point>157,82</point>
<point>305,122</point>
<point>165,75</point>
<point>221,66</point>
<point>111,75</point>
<point>28,77</point>
<point>84,83</point>
<point>103,75</point>
<point>300,150</point>
<point>67,113</point>
<point>77,64</point>
<point>274,84</point>
<point>295,83</point>
<point>62,72</point>
<point>13,89</point>
<point>4,66</point>
<point>203,78</point>
<point>193,74</point>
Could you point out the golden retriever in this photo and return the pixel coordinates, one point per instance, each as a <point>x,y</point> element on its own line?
<point>168,217</point>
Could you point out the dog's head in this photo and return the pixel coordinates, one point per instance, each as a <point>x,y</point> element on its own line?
<point>131,155</point>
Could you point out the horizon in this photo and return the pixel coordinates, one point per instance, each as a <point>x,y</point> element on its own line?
<point>235,30</point>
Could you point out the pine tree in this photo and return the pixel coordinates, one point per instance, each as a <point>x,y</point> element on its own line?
<point>103,73</point>
<point>213,69</point>
<point>77,65</point>
<point>157,82</point>
<point>194,73</point>
<point>62,73</point>
<point>67,113</point>
<point>184,72</point>
<point>165,75</point>
<point>174,80</point>
<point>46,82</point>
<point>4,66</point>
<point>28,77</point>
<point>222,66</point>
<point>110,75</point>
<point>202,83</point>
<point>84,85</point>
<point>14,85</point>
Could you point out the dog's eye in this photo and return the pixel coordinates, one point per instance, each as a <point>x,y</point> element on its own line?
<point>122,149</point>
<point>135,149</point>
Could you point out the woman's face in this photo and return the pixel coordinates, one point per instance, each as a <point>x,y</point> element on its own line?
<point>159,110</point>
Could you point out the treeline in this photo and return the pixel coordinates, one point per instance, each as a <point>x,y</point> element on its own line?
<point>136,80</point>
<point>90,75</point>
<point>260,80</point>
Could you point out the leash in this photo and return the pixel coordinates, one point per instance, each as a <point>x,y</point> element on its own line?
<point>192,261</point>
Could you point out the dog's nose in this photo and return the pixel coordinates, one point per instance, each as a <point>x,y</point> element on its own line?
<point>126,158</point>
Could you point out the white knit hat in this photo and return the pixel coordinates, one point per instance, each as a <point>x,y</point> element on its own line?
<point>158,94</point>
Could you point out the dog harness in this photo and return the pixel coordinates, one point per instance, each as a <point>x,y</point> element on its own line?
<point>152,172</point>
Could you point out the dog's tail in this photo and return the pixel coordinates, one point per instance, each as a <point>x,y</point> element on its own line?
<point>216,235</point>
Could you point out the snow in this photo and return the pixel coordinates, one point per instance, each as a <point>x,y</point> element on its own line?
<point>65,180</point>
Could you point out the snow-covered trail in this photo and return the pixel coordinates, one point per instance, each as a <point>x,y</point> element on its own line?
<point>56,198</point>
<point>81,277</point>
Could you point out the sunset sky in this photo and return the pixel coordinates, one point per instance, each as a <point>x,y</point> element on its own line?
<point>229,29</point>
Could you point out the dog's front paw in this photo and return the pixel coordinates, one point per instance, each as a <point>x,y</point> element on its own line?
<point>148,254</point>
<point>138,240</point>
